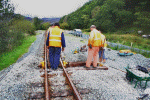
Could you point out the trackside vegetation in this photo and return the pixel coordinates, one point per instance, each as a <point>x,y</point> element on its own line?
<point>17,33</point>
<point>128,39</point>
<point>119,20</point>
<point>11,57</point>
<point>110,15</point>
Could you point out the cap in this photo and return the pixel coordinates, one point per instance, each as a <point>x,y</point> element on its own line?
<point>93,26</point>
<point>56,24</point>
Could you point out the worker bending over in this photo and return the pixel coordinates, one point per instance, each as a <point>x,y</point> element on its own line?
<point>102,49</point>
<point>94,44</point>
<point>55,41</point>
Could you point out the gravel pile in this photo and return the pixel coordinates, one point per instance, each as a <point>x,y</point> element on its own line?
<point>16,83</point>
<point>139,73</point>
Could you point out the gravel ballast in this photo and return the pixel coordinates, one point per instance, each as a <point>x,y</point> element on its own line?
<point>108,84</point>
<point>17,79</point>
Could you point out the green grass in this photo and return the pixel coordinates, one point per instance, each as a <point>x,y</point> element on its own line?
<point>127,39</point>
<point>11,57</point>
<point>87,33</point>
<point>145,54</point>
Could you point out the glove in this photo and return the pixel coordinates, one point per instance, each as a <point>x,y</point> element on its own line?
<point>90,46</point>
<point>101,48</point>
<point>63,49</point>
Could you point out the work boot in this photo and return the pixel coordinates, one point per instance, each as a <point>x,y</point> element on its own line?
<point>104,60</point>
<point>88,68</point>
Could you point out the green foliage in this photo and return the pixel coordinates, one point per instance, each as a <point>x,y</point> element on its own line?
<point>95,11</point>
<point>45,26</point>
<point>81,17</point>
<point>86,30</point>
<point>138,42</point>
<point>137,5</point>
<point>18,17</point>
<point>12,33</point>
<point>110,15</point>
<point>64,25</point>
<point>85,19</point>
<point>107,15</point>
<point>11,57</point>
<point>3,36</point>
<point>37,23</point>
<point>143,21</point>
<point>9,39</point>
<point>6,10</point>
<point>23,26</point>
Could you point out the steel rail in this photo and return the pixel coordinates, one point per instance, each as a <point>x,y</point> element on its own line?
<point>47,96</point>
<point>75,92</point>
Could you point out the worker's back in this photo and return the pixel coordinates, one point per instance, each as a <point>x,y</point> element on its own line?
<point>55,37</point>
<point>96,42</point>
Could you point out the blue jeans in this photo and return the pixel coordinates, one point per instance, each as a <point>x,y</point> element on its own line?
<point>54,56</point>
<point>103,55</point>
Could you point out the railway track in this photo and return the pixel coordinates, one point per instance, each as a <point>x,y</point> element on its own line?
<point>58,85</point>
<point>53,89</point>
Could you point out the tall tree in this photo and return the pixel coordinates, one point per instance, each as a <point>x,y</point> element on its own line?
<point>6,9</point>
<point>6,12</point>
<point>37,22</point>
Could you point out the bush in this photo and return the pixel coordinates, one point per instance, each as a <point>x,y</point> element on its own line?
<point>23,26</point>
<point>143,21</point>
<point>4,33</point>
<point>64,25</point>
<point>86,30</point>
<point>45,26</point>
<point>37,23</point>
<point>9,39</point>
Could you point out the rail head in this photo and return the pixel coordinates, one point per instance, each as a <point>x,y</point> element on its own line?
<point>75,92</point>
<point>47,96</point>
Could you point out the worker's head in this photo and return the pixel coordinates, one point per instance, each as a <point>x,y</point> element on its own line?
<point>57,24</point>
<point>52,26</point>
<point>92,27</point>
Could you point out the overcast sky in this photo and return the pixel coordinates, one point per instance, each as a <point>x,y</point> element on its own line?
<point>46,8</point>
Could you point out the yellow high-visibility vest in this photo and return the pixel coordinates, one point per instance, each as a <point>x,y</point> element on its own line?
<point>96,40</point>
<point>104,44</point>
<point>55,37</point>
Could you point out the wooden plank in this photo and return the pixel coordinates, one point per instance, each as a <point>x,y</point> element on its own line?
<point>83,68</point>
<point>82,64</point>
<point>75,64</point>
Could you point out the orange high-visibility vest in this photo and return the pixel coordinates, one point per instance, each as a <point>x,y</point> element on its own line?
<point>55,37</point>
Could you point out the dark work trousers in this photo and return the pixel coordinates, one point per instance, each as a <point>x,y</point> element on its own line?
<point>54,56</point>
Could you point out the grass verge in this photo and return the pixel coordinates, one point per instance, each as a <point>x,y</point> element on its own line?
<point>11,57</point>
<point>127,39</point>
<point>145,54</point>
